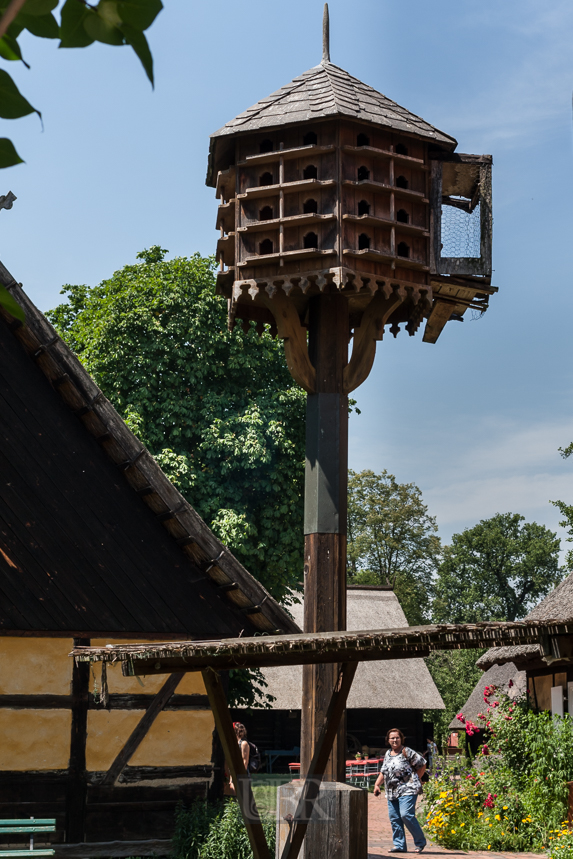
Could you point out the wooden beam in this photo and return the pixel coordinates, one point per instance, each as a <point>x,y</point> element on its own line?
<point>76,788</point>
<point>319,761</point>
<point>294,335</point>
<point>141,729</point>
<point>370,330</point>
<point>234,759</point>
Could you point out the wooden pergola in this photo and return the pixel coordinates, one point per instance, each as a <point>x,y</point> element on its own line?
<point>345,648</point>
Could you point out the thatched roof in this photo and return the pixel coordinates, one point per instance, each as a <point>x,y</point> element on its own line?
<point>94,538</point>
<point>388,684</point>
<point>499,676</point>
<point>557,605</point>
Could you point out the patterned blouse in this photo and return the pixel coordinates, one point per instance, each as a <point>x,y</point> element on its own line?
<point>400,778</point>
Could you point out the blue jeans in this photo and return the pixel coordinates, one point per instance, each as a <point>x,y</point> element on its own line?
<point>403,811</point>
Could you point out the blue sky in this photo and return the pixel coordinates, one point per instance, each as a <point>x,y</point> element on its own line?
<point>476,419</point>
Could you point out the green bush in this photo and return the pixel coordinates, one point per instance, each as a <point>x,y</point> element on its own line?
<point>215,831</point>
<point>513,796</point>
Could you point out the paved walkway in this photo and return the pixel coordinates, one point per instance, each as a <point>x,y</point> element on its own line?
<point>380,837</point>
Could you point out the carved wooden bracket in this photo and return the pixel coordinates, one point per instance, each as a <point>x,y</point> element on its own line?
<point>294,335</point>
<point>371,329</point>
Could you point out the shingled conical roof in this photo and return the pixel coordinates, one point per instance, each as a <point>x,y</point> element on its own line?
<point>327,91</point>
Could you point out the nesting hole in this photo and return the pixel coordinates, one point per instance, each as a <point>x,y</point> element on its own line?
<point>265,247</point>
<point>363,242</point>
<point>363,173</point>
<point>266,146</point>
<point>363,140</point>
<point>402,216</point>
<point>401,149</point>
<point>310,172</point>
<point>309,138</point>
<point>266,179</point>
<point>363,207</point>
<point>310,206</point>
<point>403,249</point>
<point>401,182</point>
<point>266,213</point>
<point>310,240</point>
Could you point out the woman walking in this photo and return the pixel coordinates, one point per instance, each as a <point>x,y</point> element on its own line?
<point>401,772</point>
<point>241,734</point>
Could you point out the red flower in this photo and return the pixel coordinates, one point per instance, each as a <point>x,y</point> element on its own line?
<point>461,718</point>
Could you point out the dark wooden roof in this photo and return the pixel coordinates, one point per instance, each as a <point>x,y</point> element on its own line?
<point>93,536</point>
<point>325,91</point>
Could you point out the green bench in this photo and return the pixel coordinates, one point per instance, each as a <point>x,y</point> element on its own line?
<point>28,826</point>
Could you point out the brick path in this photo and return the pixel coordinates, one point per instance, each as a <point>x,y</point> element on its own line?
<point>380,838</point>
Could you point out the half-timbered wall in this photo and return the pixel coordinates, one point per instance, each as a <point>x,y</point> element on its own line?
<point>49,762</point>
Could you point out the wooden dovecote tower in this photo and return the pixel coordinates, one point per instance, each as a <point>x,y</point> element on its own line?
<point>343,215</point>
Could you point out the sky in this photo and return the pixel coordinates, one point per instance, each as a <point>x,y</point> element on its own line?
<point>474,420</point>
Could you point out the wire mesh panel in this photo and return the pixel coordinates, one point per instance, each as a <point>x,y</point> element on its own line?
<point>461,231</point>
<point>461,215</point>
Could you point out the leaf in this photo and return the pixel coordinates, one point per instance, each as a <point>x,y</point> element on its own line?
<point>8,155</point>
<point>72,30</point>
<point>43,26</point>
<point>10,49</point>
<point>12,103</point>
<point>10,304</point>
<point>102,23</point>
<point>39,7</point>
<point>139,13</point>
<point>138,42</point>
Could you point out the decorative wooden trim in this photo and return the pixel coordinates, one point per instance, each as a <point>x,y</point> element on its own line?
<point>371,329</point>
<point>76,787</point>
<point>319,761</point>
<point>294,335</point>
<point>235,763</point>
<point>142,727</point>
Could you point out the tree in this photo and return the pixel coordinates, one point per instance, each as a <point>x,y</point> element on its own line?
<point>392,540</point>
<point>455,674</point>
<point>218,409</point>
<point>113,22</point>
<point>497,570</point>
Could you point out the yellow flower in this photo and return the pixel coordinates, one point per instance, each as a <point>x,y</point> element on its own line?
<point>462,824</point>
<point>476,794</point>
<point>505,807</point>
<point>489,846</point>
<point>443,794</point>
<point>491,824</point>
<point>497,817</point>
<point>453,831</point>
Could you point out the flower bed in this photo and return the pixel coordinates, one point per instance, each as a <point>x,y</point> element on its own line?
<point>513,795</point>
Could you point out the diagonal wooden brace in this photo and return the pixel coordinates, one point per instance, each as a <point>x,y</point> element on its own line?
<point>234,759</point>
<point>142,728</point>
<point>319,760</point>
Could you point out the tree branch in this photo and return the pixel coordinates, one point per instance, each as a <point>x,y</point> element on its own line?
<point>11,11</point>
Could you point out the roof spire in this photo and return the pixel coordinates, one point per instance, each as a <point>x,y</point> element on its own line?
<point>325,36</point>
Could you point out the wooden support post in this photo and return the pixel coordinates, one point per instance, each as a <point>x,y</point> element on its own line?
<point>242,782</point>
<point>326,481</point>
<point>319,761</point>
<point>141,729</point>
<point>76,789</point>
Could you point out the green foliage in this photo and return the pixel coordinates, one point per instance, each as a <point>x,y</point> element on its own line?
<point>218,409</point>
<point>515,795</point>
<point>392,540</point>
<point>216,831</point>
<point>497,570</point>
<point>455,674</point>
<point>113,22</point>
<point>566,511</point>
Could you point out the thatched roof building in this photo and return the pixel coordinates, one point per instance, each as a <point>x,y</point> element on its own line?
<point>558,605</point>
<point>389,684</point>
<point>384,694</point>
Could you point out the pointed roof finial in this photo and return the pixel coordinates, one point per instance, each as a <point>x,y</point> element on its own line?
<point>325,36</point>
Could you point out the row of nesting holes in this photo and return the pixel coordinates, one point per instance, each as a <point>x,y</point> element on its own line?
<point>311,139</point>
<point>311,207</point>
<point>310,241</point>
<point>311,172</point>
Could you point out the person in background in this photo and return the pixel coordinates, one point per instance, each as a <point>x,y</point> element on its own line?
<point>401,772</point>
<point>241,733</point>
<point>431,753</point>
